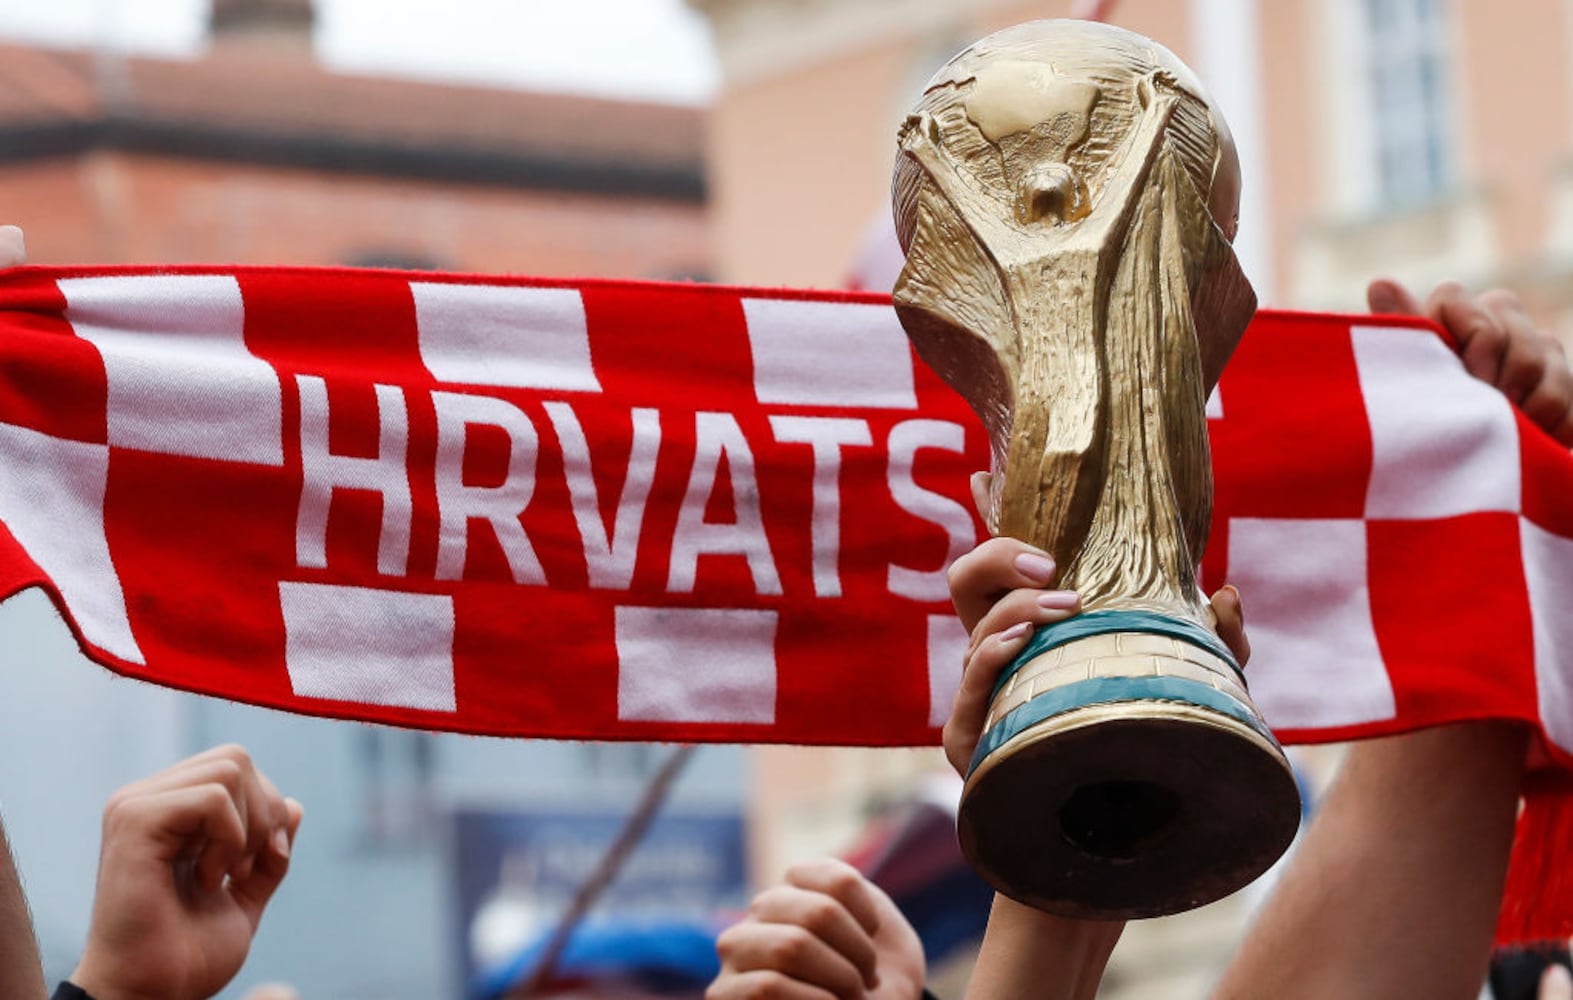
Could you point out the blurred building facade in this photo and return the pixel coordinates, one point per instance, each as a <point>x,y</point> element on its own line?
<point>254,154</point>
<point>1417,139</point>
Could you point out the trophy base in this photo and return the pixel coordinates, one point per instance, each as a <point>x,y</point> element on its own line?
<point>1125,774</point>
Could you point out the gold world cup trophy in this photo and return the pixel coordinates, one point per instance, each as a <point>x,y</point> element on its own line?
<point>1066,195</point>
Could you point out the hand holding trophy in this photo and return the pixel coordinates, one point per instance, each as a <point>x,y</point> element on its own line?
<point>1066,194</point>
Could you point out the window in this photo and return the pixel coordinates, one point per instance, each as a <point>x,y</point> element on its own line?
<point>1411,113</point>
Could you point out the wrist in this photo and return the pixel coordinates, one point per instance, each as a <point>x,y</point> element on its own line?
<point>92,984</point>
<point>1029,952</point>
<point>80,985</point>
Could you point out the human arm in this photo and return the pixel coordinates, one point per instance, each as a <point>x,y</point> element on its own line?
<point>21,974</point>
<point>1396,887</point>
<point>189,860</point>
<point>1001,594</point>
<point>825,932</point>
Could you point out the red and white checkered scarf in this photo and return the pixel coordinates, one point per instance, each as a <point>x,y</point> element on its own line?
<point>611,510</point>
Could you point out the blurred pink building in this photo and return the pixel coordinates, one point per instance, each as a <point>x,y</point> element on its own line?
<point>255,154</point>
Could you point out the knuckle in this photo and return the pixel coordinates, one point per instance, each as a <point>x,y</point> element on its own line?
<point>820,915</point>
<point>788,948</point>
<point>1481,331</point>
<point>1447,293</point>
<point>957,573</point>
<point>764,901</point>
<point>730,940</point>
<point>215,796</point>
<point>238,755</point>
<point>805,872</point>
<point>228,772</point>
<point>121,810</point>
<point>1501,298</point>
<point>843,882</point>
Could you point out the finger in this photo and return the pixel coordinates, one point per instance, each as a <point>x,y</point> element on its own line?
<point>971,707</point>
<point>181,842</point>
<point>264,810</point>
<point>1563,431</point>
<point>224,751</point>
<point>843,883</point>
<point>825,917</point>
<point>991,571</point>
<point>296,813</point>
<point>1482,340</point>
<point>173,776</point>
<point>1385,296</point>
<point>13,247</point>
<point>279,810</point>
<point>200,821</point>
<point>1550,404</point>
<point>1534,372</point>
<point>1555,983</point>
<point>981,483</point>
<point>253,891</point>
<point>1229,611</point>
<point>1039,607</point>
<point>261,807</point>
<point>227,763</point>
<point>762,984</point>
<point>1527,353</point>
<point>791,951</point>
<point>261,878</point>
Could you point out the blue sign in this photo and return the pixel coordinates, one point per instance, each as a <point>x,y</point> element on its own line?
<point>517,872</point>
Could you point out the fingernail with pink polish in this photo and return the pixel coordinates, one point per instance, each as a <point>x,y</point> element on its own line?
<point>1035,567</point>
<point>1015,632</point>
<point>1239,605</point>
<point>1059,600</point>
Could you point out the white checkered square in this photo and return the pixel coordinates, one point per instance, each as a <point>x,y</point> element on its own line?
<point>829,354</point>
<point>52,502</point>
<point>181,379</point>
<point>696,665</point>
<point>504,335</point>
<point>377,647</point>
<point>1308,613</point>
<point>947,645</point>
<point>1548,570</point>
<point>1443,443</point>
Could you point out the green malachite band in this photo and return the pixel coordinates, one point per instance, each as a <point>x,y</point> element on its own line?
<point>1107,690</point>
<point>1048,637</point>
